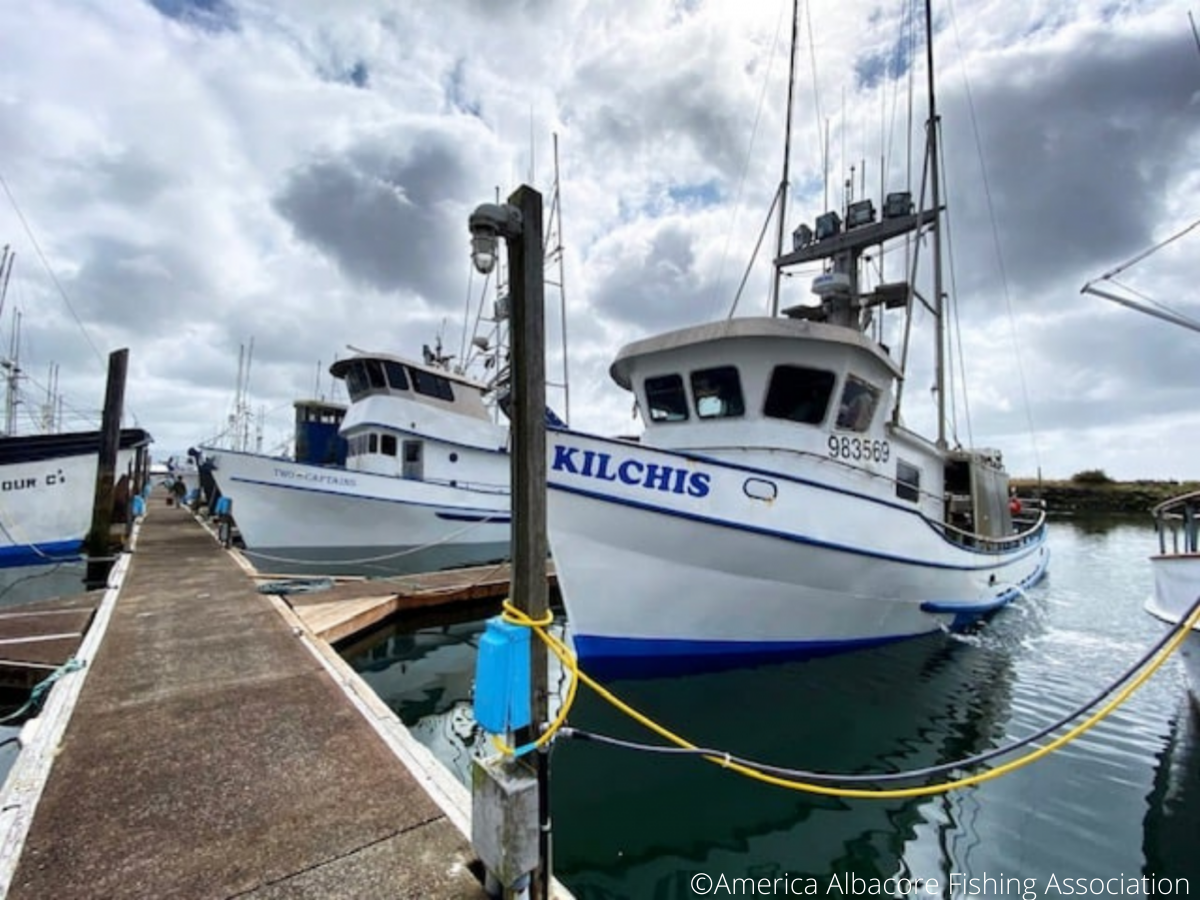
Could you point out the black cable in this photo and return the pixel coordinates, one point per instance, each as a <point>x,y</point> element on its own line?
<point>896,776</point>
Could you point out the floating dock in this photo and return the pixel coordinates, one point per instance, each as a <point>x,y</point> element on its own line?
<point>211,747</point>
<point>37,638</point>
<point>348,610</point>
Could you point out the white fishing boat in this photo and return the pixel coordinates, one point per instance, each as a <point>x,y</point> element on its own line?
<point>425,480</point>
<point>48,478</point>
<point>776,504</point>
<point>424,485</point>
<point>47,490</point>
<point>1177,574</point>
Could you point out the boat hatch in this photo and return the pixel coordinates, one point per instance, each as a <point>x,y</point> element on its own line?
<point>412,465</point>
<point>977,496</point>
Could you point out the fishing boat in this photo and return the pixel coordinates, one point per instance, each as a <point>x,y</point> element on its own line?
<point>412,476</point>
<point>1177,565</point>
<point>48,478</point>
<point>424,485</point>
<point>776,504</point>
<point>47,489</point>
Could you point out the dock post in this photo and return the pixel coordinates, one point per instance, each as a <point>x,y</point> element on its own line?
<point>530,546</point>
<point>98,539</point>
<point>519,222</point>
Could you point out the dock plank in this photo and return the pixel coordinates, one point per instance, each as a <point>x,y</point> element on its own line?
<point>344,612</point>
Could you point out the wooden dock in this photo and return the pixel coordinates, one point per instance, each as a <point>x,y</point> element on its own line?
<point>37,638</point>
<point>350,609</point>
<point>209,749</point>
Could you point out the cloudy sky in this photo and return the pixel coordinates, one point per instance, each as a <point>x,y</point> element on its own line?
<point>184,176</point>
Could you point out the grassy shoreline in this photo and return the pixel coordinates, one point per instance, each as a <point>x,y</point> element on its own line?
<point>1092,495</point>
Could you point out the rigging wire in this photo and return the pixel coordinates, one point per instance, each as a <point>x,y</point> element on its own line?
<point>1107,276</point>
<point>991,207</point>
<point>1155,303</point>
<point>737,202</point>
<point>49,271</point>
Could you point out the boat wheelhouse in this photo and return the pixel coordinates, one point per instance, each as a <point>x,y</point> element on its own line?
<point>424,485</point>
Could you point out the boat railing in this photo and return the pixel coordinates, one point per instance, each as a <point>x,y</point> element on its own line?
<point>1028,527</point>
<point>476,486</point>
<point>1028,530</point>
<point>1179,519</point>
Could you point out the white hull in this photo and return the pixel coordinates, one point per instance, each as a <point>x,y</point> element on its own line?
<point>296,517</point>
<point>720,560</point>
<point>46,506</point>
<point>1176,588</point>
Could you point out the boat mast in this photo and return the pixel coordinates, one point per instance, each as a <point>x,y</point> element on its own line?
<point>935,195</point>
<point>787,155</point>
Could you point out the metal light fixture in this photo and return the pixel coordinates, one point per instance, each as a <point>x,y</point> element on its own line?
<point>489,223</point>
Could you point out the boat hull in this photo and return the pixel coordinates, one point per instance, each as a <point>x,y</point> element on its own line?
<point>716,564</point>
<point>47,490</point>
<point>1176,589</point>
<point>301,518</point>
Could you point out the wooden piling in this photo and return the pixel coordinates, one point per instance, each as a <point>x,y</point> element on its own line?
<point>98,539</point>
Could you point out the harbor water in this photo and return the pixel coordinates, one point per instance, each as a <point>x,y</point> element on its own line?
<point>1115,812</point>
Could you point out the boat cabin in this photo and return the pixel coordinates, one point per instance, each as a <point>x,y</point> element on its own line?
<point>759,382</point>
<point>417,421</point>
<point>812,401</point>
<point>316,437</point>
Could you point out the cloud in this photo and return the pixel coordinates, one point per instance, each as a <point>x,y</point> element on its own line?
<point>197,173</point>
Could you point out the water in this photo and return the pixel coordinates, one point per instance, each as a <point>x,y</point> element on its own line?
<point>25,584</point>
<point>1122,801</point>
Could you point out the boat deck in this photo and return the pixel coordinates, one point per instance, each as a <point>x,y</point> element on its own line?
<point>212,753</point>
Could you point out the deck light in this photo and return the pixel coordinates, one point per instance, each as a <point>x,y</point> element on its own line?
<point>898,203</point>
<point>859,213</point>
<point>489,223</point>
<point>828,225</point>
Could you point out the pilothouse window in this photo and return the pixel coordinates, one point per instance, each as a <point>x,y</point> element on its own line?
<point>375,374</point>
<point>666,400</point>
<point>799,394</point>
<point>431,385</point>
<point>858,405</point>
<point>718,393</point>
<point>395,375</point>
<point>356,379</point>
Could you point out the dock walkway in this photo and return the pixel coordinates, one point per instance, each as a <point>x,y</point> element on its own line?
<point>212,754</point>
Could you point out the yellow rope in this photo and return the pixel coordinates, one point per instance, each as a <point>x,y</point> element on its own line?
<point>519,617</point>
<point>516,616</point>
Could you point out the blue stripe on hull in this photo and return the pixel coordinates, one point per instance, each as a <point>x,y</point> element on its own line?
<point>614,657</point>
<point>33,554</point>
<point>611,657</point>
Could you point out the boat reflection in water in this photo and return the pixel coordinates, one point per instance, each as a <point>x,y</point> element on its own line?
<point>1124,798</point>
<point>663,820</point>
<point>1173,806</point>
<point>623,817</point>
